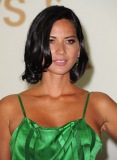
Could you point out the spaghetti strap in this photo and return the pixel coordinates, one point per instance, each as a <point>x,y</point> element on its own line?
<point>21,104</point>
<point>86,104</point>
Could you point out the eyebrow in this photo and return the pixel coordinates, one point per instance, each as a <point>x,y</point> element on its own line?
<point>72,36</point>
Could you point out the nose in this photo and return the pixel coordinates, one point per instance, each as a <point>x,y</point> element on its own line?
<point>60,48</point>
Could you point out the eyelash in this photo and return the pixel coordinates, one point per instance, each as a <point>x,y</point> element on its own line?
<point>51,40</point>
<point>70,41</point>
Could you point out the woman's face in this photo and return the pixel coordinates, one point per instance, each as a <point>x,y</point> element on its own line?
<point>64,46</point>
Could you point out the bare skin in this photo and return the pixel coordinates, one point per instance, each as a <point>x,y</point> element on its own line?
<point>55,101</point>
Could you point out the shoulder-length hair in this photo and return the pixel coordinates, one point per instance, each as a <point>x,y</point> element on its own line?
<point>37,48</point>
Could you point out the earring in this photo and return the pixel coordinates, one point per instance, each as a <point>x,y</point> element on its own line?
<point>76,65</point>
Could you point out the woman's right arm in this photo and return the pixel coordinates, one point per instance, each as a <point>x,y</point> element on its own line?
<point>4,131</point>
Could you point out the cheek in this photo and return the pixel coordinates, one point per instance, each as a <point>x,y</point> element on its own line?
<point>75,57</point>
<point>51,48</point>
<point>76,53</point>
<point>76,49</point>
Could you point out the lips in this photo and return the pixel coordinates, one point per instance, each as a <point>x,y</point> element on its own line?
<point>60,62</point>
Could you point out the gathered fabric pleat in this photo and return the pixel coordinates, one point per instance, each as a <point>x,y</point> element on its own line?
<point>75,140</point>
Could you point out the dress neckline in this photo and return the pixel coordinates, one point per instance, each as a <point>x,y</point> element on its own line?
<point>44,128</point>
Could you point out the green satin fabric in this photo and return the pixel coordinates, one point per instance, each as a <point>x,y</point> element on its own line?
<point>75,140</point>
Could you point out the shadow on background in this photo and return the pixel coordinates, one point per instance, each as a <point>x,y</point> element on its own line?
<point>103,155</point>
<point>85,80</point>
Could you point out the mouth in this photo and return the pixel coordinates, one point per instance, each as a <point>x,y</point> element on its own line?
<point>60,62</point>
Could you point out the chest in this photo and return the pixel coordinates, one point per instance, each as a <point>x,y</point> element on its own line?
<point>55,112</point>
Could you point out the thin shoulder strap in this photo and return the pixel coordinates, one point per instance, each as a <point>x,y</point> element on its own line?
<point>86,104</point>
<point>21,104</point>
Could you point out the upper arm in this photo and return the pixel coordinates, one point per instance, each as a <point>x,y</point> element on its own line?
<point>4,131</point>
<point>110,116</point>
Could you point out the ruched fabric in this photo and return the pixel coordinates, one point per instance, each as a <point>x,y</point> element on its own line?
<point>75,140</point>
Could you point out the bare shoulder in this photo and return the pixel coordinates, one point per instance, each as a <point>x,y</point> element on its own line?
<point>102,102</point>
<point>102,99</point>
<point>7,104</point>
<point>8,100</point>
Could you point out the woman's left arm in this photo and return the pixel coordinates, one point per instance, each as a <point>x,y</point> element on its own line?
<point>110,116</point>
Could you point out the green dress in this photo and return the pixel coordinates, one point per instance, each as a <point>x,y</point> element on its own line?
<point>75,140</point>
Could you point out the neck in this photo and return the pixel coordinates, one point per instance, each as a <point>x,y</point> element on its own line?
<point>56,85</point>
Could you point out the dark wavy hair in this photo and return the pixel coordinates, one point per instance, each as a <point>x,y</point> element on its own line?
<point>37,45</point>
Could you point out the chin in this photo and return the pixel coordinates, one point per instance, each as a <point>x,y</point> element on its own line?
<point>60,72</point>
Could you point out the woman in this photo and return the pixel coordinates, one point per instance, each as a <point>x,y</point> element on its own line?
<point>55,120</point>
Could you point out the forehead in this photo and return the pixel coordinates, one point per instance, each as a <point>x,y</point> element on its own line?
<point>63,25</point>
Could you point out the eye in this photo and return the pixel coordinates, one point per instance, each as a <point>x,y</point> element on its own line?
<point>51,41</point>
<point>70,41</point>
